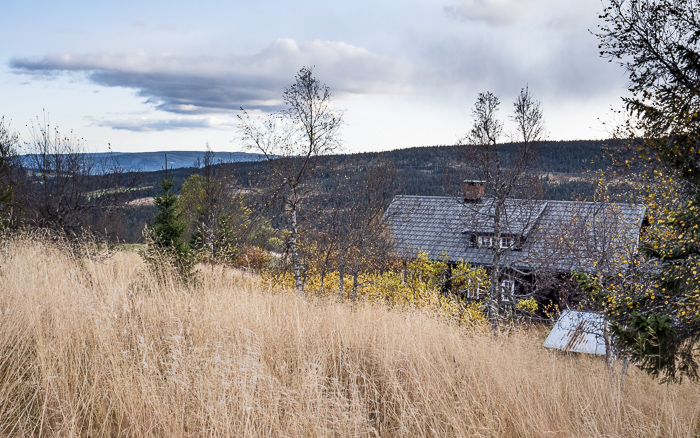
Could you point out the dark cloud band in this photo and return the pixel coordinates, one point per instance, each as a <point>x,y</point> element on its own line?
<point>214,84</point>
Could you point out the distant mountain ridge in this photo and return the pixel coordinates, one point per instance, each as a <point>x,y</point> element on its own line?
<point>155,161</point>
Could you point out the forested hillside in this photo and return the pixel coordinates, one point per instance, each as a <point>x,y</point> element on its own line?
<point>565,169</point>
<point>422,169</point>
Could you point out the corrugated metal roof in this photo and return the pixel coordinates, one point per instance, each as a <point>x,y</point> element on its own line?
<point>557,235</point>
<point>580,332</point>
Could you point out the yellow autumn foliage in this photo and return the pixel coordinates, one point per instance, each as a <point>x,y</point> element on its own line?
<point>421,283</point>
<point>528,305</point>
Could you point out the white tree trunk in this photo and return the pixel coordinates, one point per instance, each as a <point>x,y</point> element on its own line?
<point>296,264</point>
<point>355,275</point>
<point>494,303</point>
<point>341,275</point>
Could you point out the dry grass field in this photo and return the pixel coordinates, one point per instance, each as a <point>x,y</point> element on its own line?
<point>102,348</point>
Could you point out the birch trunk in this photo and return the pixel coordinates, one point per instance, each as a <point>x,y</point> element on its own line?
<point>495,287</point>
<point>355,274</point>
<point>495,298</point>
<point>296,264</point>
<point>341,276</point>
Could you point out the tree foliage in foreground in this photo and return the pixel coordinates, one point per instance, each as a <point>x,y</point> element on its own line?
<point>658,43</point>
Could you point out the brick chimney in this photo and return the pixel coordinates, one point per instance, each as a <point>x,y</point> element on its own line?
<point>473,190</point>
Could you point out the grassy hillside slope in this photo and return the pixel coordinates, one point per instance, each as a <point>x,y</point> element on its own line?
<point>102,348</point>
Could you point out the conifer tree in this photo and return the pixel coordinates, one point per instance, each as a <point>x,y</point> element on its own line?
<point>166,236</point>
<point>658,44</point>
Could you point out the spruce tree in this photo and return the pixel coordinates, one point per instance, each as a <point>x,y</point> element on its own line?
<point>167,233</point>
<point>658,44</point>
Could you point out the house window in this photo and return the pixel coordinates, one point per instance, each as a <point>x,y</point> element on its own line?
<point>484,241</point>
<point>506,242</point>
<point>507,289</point>
<point>473,288</point>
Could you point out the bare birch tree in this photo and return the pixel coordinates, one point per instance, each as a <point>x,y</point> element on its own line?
<point>361,225</point>
<point>68,185</point>
<point>291,141</point>
<point>502,179</point>
<point>10,173</point>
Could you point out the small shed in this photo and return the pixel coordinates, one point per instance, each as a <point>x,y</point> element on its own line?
<point>580,332</point>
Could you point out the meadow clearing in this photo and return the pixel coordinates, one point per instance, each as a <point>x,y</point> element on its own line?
<point>102,347</point>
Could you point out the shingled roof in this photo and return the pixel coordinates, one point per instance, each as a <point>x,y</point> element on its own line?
<point>556,236</point>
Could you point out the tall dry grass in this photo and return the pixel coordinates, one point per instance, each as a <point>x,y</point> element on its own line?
<point>104,349</point>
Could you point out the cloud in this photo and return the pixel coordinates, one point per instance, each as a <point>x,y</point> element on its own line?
<point>215,83</point>
<point>494,12</point>
<point>505,13</point>
<point>570,69</point>
<point>178,123</point>
<point>503,45</point>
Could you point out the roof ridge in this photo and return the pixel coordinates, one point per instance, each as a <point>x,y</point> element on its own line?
<point>550,201</point>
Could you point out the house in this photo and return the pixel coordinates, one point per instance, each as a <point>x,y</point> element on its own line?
<point>536,236</point>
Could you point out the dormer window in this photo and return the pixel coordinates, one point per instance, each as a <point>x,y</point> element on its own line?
<point>485,241</point>
<point>505,242</point>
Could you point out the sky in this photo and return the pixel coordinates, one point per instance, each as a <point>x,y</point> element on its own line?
<point>172,75</point>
